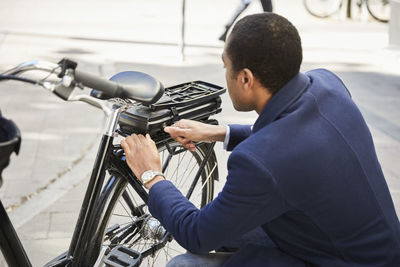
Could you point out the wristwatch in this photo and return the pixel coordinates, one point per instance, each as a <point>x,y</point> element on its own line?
<point>149,175</point>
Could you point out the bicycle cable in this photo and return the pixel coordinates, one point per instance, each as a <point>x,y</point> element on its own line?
<point>50,73</point>
<point>17,78</point>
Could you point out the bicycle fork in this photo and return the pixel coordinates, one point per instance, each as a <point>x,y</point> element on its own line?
<point>79,240</point>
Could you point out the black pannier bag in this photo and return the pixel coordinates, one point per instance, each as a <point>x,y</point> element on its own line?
<point>195,100</point>
<point>10,141</point>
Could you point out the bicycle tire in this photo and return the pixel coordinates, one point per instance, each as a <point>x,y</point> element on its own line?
<point>121,198</point>
<point>379,10</point>
<point>322,8</point>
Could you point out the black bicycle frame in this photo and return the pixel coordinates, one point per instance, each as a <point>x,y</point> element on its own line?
<point>81,241</point>
<point>85,237</point>
<point>12,249</point>
<point>78,243</point>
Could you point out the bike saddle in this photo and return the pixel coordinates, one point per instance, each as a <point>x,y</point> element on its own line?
<point>10,141</point>
<point>137,86</point>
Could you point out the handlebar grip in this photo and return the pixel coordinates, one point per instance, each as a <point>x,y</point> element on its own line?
<point>92,81</point>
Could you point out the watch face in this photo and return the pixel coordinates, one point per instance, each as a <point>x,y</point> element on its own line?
<point>147,175</point>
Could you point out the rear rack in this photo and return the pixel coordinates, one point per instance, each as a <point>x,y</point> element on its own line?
<point>186,94</point>
<point>196,100</point>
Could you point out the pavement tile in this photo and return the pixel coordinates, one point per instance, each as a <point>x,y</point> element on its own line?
<point>37,228</point>
<point>62,224</point>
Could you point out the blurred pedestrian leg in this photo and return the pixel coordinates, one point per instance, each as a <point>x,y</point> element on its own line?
<point>266,5</point>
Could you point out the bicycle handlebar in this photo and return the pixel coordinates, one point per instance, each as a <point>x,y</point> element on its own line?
<point>92,81</point>
<point>133,85</point>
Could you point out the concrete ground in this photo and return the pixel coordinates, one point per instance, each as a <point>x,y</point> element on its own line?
<point>44,185</point>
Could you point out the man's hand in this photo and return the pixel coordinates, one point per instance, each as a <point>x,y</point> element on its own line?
<point>187,131</point>
<point>141,155</point>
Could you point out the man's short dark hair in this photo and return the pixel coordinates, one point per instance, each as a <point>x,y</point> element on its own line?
<point>267,44</point>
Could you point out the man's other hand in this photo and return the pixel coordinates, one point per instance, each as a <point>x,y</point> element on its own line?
<point>141,154</point>
<point>187,131</point>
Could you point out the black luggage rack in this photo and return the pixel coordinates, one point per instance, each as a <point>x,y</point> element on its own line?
<point>196,100</point>
<point>187,93</point>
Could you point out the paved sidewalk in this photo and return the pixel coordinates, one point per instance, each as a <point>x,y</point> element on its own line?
<point>44,185</point>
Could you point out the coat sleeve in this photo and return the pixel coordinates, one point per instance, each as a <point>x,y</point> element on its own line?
<point>249,199</point>
<point>237,134</point>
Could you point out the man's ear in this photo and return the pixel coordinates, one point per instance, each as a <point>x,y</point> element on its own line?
<point>247,78</point>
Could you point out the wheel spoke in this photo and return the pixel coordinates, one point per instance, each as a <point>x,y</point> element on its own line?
<point>208,177</point>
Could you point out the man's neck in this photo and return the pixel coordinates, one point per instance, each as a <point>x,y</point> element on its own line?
<point>261,98</point>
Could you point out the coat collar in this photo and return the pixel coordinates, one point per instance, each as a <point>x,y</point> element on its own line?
<point>281,100</point>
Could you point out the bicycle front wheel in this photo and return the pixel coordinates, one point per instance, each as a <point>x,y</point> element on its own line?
<point>379,9</point>
<point>322,8</point>
<point>125,219</point>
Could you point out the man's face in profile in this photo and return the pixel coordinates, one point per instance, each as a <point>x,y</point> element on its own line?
<point>232,81</point>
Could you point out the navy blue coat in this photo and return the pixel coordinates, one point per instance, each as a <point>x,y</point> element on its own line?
<point>308,174</point>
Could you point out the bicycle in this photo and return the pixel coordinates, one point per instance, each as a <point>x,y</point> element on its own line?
<point>114,227</point>
<point>378,9</point>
